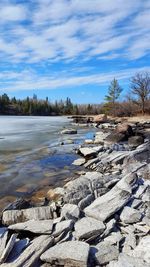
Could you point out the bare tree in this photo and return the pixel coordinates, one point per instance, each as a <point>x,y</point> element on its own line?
<point>140,86</point>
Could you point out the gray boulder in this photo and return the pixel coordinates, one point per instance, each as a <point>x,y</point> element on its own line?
<point>88,228</point>
<point>79,162</point>
<point>130,215</point>
<point>15,216</point>
<point>108,204</point>
<point>70,211</point>
<point>106,253</point>
<point>135,141</point>
<point>71,253</point>
<point>37,227</point>
<point>63,227</point>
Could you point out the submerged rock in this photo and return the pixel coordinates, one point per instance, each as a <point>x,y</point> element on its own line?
<point>69,131</point>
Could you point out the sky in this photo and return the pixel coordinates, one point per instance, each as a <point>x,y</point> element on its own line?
<point>74,48</point>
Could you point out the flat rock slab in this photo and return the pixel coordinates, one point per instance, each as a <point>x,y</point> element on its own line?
<point>108,204</point>
<point>88,227</point>
<point>80,188</point>
<point>69,131</point>
<point>31,255</point>
<point>71,253</point>
<point>130,215</point>
<point>142,251</point>
<point>70,211</point>
<point>125,260</point>
<point>78,162</point>
<point>106,253</point>
<point>64,226</point>
<point>16,216</point>
<point>37,227</point>
<point>90,152</point>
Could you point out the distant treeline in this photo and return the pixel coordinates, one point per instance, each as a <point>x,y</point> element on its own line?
<point>136,101</point>
<point>37,107</point>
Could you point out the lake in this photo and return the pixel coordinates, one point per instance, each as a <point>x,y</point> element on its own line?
<point>32,157</point>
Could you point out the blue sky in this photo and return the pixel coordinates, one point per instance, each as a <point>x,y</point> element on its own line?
<point>60,48</point>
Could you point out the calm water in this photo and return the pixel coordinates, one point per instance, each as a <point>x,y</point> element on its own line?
<point>31,155</point>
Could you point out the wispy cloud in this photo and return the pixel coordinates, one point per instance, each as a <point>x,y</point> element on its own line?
<point>27,80</point>
<point>51,32</point>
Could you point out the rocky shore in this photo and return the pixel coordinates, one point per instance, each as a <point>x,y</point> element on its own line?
<point>101,218</point>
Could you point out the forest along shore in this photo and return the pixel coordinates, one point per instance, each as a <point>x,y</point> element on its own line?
<point>101,218</point>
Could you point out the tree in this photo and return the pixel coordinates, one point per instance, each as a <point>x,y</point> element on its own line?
<point>114,92</point>
<point>140,86</point>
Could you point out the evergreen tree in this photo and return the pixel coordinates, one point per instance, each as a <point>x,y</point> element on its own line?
<point>114,92</point>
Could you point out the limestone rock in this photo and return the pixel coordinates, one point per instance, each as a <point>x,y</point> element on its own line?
<point>108,204</point>
<point>71,253</point>
<point>79,162</point>
<point>130,215</point>
<point>64,226</point>
<point>90,152</point>
<point>106,253</point>
<point>31,255</point>
<point>80,188</point>
<point>142,251</point>
<point>124,128</point>
<point>69,131</point>
<point>135,141</point>
<point>70,211</point>
<point>88,227</point>
<point>15,216</point>
<point>37,227</point>
<point>100,118</point>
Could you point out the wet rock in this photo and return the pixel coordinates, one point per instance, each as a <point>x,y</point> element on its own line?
<point>88,141</point>
<point>56,193</point>
<point>15,216</point>
<point>108,204</point>
<point>79,162</point>
<point>69,131</point>
<point>37,227</point>
<point>130,215</point>
<point>88,227</point>
<point>135,141</point>
<point>71,253</point>
<point>88,152</point>
<point>70,211</point>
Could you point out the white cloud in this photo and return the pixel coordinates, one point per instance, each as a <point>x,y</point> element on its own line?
<point>12,13</point>
<point>62,31</point>
<point>28,80</point>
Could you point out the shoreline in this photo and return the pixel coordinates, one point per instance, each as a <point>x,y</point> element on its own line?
<point>105,209</point>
